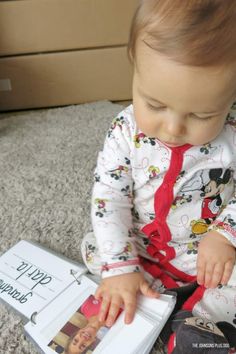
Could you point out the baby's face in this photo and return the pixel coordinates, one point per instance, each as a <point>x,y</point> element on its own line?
<point>180,104</point>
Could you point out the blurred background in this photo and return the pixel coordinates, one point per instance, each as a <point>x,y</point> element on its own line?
<point>63,52</point>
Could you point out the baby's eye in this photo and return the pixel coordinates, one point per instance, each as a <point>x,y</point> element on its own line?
<point>203,119</point>
<point>155,108</point>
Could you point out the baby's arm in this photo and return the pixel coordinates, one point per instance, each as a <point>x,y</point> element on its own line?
<point>216,252</point>
<point>112,202</point>
<point>216,259</point>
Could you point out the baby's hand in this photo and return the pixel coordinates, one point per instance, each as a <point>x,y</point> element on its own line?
<point>121,290</point>
<point>216,259</point>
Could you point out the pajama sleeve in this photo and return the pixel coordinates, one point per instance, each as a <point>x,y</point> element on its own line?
<point>112,202</point>
<point>225,223</point>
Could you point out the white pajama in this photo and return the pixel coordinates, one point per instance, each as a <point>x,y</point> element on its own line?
<point>152,204</point>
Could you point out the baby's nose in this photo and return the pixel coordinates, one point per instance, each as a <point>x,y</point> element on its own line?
<point>175,126</point>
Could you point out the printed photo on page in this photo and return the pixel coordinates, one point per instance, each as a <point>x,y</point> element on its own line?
<point>83,332</point>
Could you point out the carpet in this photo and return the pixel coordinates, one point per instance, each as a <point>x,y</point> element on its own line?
<point>47,159</point>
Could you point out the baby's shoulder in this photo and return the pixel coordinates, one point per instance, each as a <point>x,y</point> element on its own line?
<point>126,116</point>
<point>123,122</point>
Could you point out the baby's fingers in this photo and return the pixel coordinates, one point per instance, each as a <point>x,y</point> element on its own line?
<point>147,290</point>
<point>200,271</point>
<point>105,305</point>
<point>216,276</point>
<point>130,303</point>
<point>227,272</point>
<point>115,306</point>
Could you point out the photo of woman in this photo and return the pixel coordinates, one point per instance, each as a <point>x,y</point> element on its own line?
<point>83,332</point>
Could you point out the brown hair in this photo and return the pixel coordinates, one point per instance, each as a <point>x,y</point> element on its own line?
<point>191,32</point>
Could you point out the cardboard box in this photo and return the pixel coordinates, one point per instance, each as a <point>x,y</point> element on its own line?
<point>32,26</point>
<point>60,52</point>
<point>56,79</point>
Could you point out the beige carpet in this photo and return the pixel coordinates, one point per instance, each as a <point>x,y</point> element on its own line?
<point>47,158</point>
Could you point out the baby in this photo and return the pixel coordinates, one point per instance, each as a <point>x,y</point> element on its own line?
<point>163,205</point>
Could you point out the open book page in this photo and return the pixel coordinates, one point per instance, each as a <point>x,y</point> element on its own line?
<point>157,310</point>
<point>140,335</point>
<point>127,339</point>
<point>31,277</point>
<point>71,322</point>
<point>68,316</point>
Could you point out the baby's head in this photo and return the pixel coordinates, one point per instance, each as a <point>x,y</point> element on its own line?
<point>184,58</point>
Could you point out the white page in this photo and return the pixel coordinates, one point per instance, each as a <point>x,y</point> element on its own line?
<point>125,339</point>
<point>30,277</point>
<point>160,309</point>
<point>147,346</point>
<point>151,317</point>
<point>156,307</point>
<point>139,336</point>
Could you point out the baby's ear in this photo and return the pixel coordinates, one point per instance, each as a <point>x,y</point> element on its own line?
<point>179,318</point>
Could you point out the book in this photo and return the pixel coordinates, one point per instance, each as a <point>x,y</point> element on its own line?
<point>55,296</point>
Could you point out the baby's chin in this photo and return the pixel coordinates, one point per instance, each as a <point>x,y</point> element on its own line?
<point>172,145</point>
